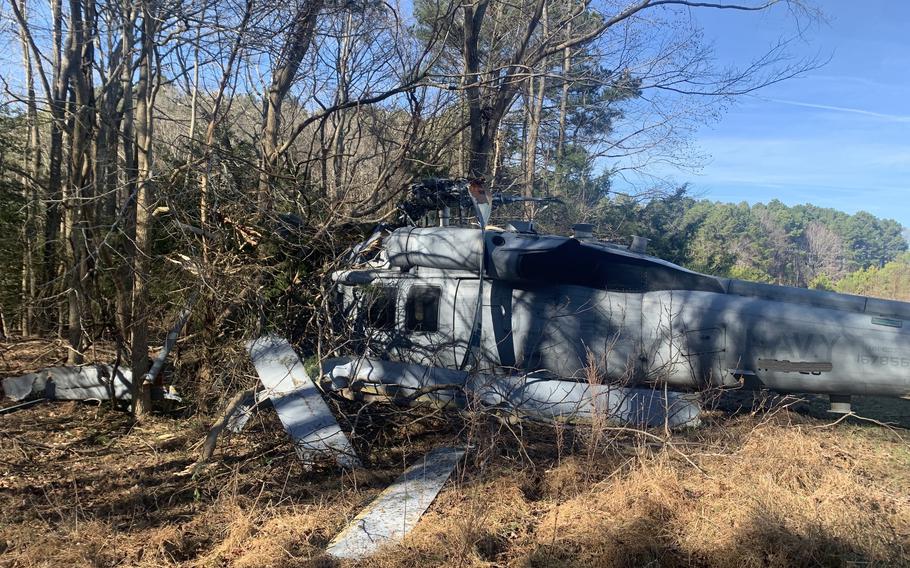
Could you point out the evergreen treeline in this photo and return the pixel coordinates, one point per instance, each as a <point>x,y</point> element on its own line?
<point>802,245</point>
<point>890,281</point>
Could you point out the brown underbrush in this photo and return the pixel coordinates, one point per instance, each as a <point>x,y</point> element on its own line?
<point>781,485</point>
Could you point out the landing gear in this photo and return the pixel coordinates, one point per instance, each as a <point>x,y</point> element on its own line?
<point>840,404</point>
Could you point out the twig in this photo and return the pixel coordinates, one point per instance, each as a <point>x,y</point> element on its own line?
<point>663,442</point>
<point>211,439</point>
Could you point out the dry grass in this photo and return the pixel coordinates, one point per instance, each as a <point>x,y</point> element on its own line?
<point>781,493</point>
<point>79,486</point>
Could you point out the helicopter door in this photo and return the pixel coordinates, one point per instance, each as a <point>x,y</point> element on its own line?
<point>462,317</point>
<point>496,344</point>
<point>566,329</point>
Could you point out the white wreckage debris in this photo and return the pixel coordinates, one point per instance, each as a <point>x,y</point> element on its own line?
<point>303,412</point>
<point>392,515</point>
<point>527,396</point>
<point>89,382</point>
<point>237,420</point>
<point>310,424</point>
<point>97,382</point>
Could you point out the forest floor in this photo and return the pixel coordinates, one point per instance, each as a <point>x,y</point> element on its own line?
<point>780,484</point>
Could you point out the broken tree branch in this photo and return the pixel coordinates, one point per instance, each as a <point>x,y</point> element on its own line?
<point>211,439</point>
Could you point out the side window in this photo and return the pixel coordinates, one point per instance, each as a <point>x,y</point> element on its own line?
<point>422,313</point>
<point>380,304</point>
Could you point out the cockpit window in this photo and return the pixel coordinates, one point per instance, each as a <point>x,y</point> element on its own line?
<point>380,307</point>
<point>422,312</point>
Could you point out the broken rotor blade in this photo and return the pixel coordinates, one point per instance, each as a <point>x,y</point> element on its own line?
<point>303,412</point>
<point>396,511</point>
<point>72,383</point>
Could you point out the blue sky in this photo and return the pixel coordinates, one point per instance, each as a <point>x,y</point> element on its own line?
<point>837,137</point>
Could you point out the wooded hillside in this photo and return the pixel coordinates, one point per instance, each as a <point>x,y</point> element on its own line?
<point>803,245</point>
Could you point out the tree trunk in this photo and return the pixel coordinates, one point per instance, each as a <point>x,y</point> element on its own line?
<point>536,111</point>
<point>79,63</point>
<point>479,140</point>
<point>145,96</point>
<point>485,116</point>
<point>126,195</point>
<point>295,48</point>
<point>564,99</point>
<point>340,118</point>
<point>108,202</point>
<point>53,214</point>
<point>32,194</point>
<point>534,118</point>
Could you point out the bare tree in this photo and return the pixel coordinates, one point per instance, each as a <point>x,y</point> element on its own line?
<point>146,91</point>
<point>295,44</point>
<point>826,254</point>
<point>496,66</point>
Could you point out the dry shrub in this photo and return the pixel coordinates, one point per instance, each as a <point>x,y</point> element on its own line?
<point>238,531</point>
<point>623,522</point>
<point>780,491</point>
<point>42,548</point>
<point>276,536</point>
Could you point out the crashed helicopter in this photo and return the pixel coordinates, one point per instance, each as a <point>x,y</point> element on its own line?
<point>562,328</point>
<point>442,307</point>
<point>539,326</point>
<point>534,316</point>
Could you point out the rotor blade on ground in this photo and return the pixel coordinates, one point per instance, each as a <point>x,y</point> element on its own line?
<point>392,515</point>
<point>71,383</point>
<point>300,406</point>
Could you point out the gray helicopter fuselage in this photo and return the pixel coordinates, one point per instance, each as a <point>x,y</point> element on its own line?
<point>574,307</point>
